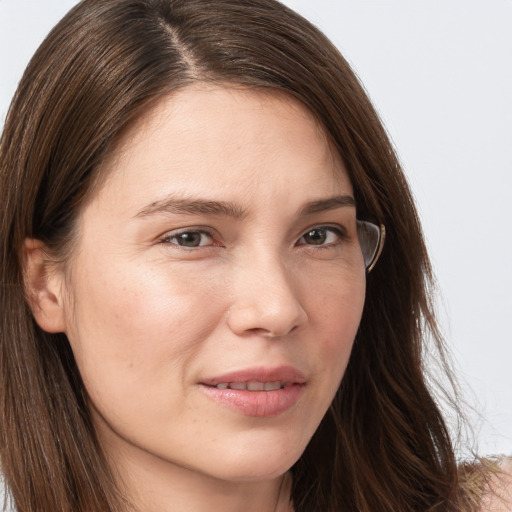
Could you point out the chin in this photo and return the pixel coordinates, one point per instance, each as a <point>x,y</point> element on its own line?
<point>243,473</point>
<point>258,461</point>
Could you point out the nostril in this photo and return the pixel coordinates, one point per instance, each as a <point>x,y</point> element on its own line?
<point>270,334</point>
<point>250,323</point>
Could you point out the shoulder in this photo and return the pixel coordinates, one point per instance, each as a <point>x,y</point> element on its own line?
<point>498,494</point>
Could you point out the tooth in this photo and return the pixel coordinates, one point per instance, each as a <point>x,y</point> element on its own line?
<point>272,386</point>
<point>254,385</point>
<point>238,385</point>
<point>222,385</point>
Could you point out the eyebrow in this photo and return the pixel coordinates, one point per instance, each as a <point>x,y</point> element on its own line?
<point>180,205</point>
<point>331,203</point>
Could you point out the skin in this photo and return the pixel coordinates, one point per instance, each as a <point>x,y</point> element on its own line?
<point>148,320</point>
<point>498,494</point>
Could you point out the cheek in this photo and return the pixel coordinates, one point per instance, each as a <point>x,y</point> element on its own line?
<point>134,326</point>
<point>337,321</point>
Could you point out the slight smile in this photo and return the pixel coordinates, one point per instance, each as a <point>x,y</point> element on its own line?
<point>259,392</point>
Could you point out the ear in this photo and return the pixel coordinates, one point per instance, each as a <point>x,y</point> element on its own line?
<point>44,285</point>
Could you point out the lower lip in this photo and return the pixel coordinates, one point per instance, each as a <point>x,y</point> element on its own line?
<point>256,403</point>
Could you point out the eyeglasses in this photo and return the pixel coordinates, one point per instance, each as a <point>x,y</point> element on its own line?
<point>371,239</point>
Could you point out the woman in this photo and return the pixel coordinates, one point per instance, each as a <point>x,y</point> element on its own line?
<point>192,200</point>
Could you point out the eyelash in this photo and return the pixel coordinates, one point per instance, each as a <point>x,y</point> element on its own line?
<point>338,231</point>
<point>167,239</point>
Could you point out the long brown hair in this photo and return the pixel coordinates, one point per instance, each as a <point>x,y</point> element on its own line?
<point>383,445</point>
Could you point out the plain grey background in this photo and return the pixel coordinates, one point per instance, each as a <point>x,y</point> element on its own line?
<point>440,75</point>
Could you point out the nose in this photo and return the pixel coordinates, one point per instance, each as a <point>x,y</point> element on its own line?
<point>266,300</point>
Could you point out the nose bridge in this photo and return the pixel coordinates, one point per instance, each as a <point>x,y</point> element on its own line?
<point>266,296</point>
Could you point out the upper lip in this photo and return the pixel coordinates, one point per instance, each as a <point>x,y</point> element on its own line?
<point>287,374</point>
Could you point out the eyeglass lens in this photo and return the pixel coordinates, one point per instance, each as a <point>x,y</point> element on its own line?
<point>371,239</point>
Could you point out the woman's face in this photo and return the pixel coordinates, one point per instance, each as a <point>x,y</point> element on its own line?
<point>216,285</point>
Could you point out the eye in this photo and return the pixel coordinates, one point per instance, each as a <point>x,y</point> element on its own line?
<point>321,235</point>
<point>189,239</point>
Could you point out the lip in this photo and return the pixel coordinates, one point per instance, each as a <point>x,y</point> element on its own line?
<point>257,403</point>
<point>260,373</point>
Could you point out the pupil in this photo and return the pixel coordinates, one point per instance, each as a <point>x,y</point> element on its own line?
<point>316,236</point>
<point>189,239</point>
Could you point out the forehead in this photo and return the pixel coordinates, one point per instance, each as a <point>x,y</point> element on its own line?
<point>216,138</point>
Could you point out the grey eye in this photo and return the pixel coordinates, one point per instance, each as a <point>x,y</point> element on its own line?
<point>191,239</point>
<point>320,236</point>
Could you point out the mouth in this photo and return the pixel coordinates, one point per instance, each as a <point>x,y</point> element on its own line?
<point>259,378</point>
<point>257,392</point>
<point>254,385</point>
